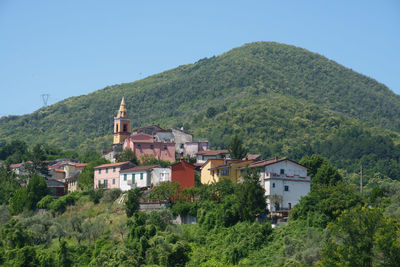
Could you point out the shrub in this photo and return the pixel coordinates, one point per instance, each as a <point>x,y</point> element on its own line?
<point>111,195</point>
<point>45,202</point>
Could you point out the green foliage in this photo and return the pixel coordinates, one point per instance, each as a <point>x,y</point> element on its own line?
<point>251,196</point>
<point>59,205</point>
<point>362,237</point>
<point>132,203</point>
<point>148,159</point>
<point>8,185</point>
<point>19,201</point>
<point>325,203</point>
<point>85,180</point>
<point>96,195</point>
<point>45,202</point>
<point>236,149</point>
<point>284,100</point>
<point>36,190</point>
<point>111,195</point>
<point>128,155</point>
<point>165,191</point>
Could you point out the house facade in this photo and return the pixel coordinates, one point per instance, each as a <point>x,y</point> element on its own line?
<point>107,175</point>
<point>229,170</point>
<point>203,156</point>
<point>145,144</point>
<point>183,173</point>
<point>139,176</point>
<point>285,182</point>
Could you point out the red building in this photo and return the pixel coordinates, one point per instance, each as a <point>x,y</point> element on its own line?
<point>183,173</point>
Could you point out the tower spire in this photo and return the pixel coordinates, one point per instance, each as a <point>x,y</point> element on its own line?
<point>122,109</point>
<point>122,124</point>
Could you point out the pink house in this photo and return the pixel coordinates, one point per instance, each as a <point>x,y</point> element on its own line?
<point>142,144</point>
<point>107,175</point>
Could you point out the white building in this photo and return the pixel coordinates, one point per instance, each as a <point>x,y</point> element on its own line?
<point>285,182</point>
<point>203,156</point>
<point>143,176</point>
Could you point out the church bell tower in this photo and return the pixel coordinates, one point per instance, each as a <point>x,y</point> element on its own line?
<point>122,125</point>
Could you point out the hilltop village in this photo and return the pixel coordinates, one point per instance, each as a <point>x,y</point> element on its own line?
<point>178,157</point>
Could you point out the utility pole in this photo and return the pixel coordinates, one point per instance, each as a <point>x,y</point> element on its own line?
<point>361,179</point>
<point>45,98</point>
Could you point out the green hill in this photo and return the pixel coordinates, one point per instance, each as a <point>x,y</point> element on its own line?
<point>282,100</point>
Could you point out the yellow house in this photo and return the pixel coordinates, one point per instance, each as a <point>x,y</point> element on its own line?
<point>215,169</point>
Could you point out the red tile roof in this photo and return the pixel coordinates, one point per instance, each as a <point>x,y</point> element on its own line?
<point>140,168</point>
<point>111,165</point>
<point>78,165</point>
<point>213,152</point>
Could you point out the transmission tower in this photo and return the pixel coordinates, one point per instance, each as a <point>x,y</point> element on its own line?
<point>45,98</point>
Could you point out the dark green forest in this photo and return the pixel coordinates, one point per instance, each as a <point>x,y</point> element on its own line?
<point>334,225</point>
<point>281,100</point>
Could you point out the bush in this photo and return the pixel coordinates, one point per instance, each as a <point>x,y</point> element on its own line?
<point>61,204</point>
<point>45,202</point>
<point>96,195</point>
<point>111,195</point>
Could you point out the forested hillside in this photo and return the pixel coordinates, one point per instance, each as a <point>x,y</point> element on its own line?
<point>283,101</point>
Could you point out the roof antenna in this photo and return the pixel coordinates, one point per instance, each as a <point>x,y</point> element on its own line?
<point>45,98</point>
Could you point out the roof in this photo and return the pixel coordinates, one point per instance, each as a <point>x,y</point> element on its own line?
<point>213,152</point>
<point>54,183</point>
<point>232,162</point>
<point>81,165</point>
<point>252,156</point>
<point>17,165</point>
<point>140,168</point>
<point>266,162</point>
<point>118,164</point>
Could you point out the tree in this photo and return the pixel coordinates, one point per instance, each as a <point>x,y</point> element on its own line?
<point>36,190</point>
<point>165,191</point>
<point>275,200</point>
<point>313,163</point>
<point>128,155</point>
<point>132,204</point>
<point>251,196</point>
<point>85,180</point>
<point>236,149</point>
<point>321,171</point>
<point>38,156</point>
<point>362,237</point>
<point>326,175</point>
<point>64,258</point>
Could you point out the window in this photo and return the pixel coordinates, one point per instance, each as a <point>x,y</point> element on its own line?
<point>125,128</point>
<point>125,177</point>
<point>114,181</point>
<point>282,171</point>
<point>290,205</point>
<point>151,146</point>
<point>114,169</point>
<point>105,183</point>
<point>106,170</point>
<point>98,184</point>
<point>139,146</point>
<point>181,145</point>
<point>273,185</point>
<point>133,177</point>
<point>286,188</point>
<point>165,147</point>
<point>225,172</point>
<point>116,128</point>
<point>141,176</point>
<point>99,171</point>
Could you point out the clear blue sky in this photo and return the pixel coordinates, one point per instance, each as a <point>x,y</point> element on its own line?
<point>70,48</point>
